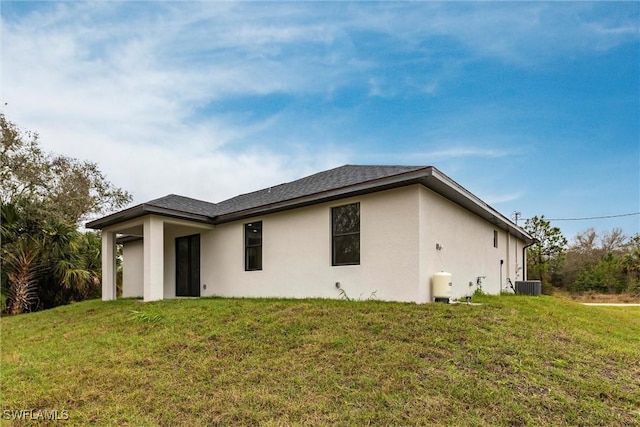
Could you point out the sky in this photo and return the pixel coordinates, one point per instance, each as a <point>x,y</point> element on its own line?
<point>534,107</point>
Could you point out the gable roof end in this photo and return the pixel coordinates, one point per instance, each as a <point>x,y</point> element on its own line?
<point>172,205</point>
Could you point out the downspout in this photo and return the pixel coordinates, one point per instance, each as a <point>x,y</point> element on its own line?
<point>525,273</point>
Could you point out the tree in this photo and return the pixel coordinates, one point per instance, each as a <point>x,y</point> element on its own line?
<point>583,252</point>
<point>544,257</point>
<point>631,265</point>
<point>44,198</point>
<point>605,276</point>
<point>585,241</point>
<point>608,262</point>
<point>613,241</point>
<point>23,269</point>
<point>56,185</point>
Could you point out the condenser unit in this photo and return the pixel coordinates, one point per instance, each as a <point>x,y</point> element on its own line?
<point>529,287</point>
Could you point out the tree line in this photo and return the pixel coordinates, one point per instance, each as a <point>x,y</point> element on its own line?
<point>600,262</point>
<point>46,260</point>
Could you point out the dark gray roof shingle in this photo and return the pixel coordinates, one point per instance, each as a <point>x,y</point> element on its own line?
<point>332,179</point>
<point>184,204</point>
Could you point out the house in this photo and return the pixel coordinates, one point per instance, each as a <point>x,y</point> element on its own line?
<point>359,231</point>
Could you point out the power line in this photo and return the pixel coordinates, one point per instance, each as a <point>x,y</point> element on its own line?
<point>591,217</point>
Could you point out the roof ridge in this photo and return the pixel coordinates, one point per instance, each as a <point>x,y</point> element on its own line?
<point>178,196</point>
<point>386,166</point>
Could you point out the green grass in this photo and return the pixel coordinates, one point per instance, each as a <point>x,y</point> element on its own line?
<point>511,361</point>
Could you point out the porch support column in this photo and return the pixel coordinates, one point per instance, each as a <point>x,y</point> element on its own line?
<point>108,266</point>
<point>153,243</point>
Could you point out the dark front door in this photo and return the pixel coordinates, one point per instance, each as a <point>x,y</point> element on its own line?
<point>188,266</point>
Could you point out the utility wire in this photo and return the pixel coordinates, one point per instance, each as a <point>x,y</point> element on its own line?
<point>588,218</point>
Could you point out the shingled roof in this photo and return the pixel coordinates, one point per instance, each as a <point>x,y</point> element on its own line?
<point>341,182</point>
<point>342,177</point>
<point>179,206</point>
<point>184,204</point>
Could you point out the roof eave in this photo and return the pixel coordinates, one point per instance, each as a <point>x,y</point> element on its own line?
<point>142,210</point>
<point>445,186</point>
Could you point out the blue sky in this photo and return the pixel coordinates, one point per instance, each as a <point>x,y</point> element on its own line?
<point>534,107</point>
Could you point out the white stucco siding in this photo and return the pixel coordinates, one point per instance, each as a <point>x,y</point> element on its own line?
<point>468,247</point>
<point>399,230</point>
<point>297,253</point>
<point>514,263</point>
<point>132,272</point>
<point>391,244</point>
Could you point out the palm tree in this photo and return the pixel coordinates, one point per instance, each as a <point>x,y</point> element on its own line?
<point>21,261</point>
<point>79,269</point>
<point>72,262</point>
<point>46,262</point>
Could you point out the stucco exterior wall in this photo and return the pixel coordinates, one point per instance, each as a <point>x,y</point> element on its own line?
<point>468,251</point>
<point>399,230</point>
<point>515,268</point>
<point>132,269</point>
<point>297,253</point>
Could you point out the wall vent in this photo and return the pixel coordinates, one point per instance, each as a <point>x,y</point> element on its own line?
<point>529,287</point>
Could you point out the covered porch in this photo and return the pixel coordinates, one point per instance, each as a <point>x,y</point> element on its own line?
<point>150,263</point>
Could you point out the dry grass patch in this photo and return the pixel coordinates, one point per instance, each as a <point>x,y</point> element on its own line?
<point>606,298</point>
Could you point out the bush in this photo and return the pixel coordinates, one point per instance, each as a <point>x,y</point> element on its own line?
<point>605,277</point>
<point>633,287</point>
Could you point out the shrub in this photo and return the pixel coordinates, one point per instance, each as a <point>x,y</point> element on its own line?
<point>604,277</point>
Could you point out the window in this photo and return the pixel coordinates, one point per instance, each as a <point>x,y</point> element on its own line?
<point>345,224</point>
<point>253,246</point>
<point>495,238</point>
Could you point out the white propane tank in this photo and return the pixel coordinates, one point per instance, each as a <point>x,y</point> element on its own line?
<point>442,285</point>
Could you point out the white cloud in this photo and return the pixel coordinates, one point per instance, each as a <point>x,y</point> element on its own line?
<point>123,84</point>
<point>494,199</point>
<point>100,91</point>
<point>462,151</point>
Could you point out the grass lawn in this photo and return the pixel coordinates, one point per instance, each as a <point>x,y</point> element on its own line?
<point>513,360</point>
